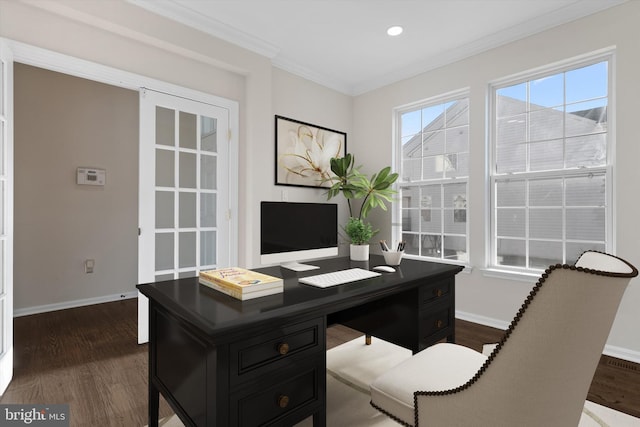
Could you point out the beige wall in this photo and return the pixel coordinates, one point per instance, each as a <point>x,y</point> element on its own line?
<point>309,102</point>
<point>495,300</point>
<point>61,123</point>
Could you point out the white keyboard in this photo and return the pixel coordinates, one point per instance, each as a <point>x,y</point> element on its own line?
<point>339,277</point>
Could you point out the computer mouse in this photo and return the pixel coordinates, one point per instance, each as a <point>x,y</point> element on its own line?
<point>384,268</point>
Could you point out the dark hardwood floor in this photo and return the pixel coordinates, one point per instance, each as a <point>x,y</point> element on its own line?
<point>88,357</point>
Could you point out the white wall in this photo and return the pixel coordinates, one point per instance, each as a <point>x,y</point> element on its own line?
<point>487,299</point>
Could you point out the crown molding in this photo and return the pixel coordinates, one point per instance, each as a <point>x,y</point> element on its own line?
<point>323,80</point>
<point>211,26</point>
<point>178,12</point>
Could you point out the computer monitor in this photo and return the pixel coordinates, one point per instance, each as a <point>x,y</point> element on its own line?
<point>292,232</point>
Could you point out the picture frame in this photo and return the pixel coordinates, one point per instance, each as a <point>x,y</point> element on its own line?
<point>303,151</point>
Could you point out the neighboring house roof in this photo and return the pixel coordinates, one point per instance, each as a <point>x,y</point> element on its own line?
<point>554,125</point>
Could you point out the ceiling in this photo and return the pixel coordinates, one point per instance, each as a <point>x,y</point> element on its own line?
<point>342,44</point>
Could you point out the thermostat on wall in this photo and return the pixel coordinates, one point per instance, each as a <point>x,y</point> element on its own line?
<point>91,176</point>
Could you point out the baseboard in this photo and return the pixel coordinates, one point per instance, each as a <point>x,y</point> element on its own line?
<point>622,353</point>
<point>72,304</point>
<point>609,350</point>
<point>482,320</point>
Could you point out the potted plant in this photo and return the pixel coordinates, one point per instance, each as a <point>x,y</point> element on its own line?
<point>374,191</point>
<point>359,233</point>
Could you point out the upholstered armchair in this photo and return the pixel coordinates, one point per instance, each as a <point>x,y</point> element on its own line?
<point>539,373</point>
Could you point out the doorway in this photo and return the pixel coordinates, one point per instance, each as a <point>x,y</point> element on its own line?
<point>49,60</point>
<point>62,123</point>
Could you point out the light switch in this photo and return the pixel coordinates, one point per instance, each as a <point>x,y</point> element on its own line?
<point>88,265</point>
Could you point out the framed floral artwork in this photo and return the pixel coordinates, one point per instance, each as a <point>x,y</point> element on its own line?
<point>304,151</point>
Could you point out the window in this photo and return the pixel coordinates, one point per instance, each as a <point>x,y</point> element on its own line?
<point>551,167</point>
<point>434,169</point>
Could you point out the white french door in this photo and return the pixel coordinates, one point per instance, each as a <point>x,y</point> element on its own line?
<point>184,198</point>
<point>6,217</point>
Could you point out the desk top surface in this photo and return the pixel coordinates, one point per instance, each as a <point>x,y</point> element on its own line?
<point>218,314</point>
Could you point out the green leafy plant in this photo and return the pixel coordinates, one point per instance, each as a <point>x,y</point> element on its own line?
<point>358,231</point>
<point>374,191</point>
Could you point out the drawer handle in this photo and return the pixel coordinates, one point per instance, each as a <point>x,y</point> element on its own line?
<point>283,401</point>
<point>283,348</point>
<point>438,292</point>
<point>439,324</point>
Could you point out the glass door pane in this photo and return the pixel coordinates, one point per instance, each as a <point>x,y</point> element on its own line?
<point>184,191</point>
<point>192,139</point>
<point>185,185</point>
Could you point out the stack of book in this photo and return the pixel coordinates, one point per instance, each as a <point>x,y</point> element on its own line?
<point>240,283</point>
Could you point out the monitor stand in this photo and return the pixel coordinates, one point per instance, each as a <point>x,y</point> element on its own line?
<point>295,266</point>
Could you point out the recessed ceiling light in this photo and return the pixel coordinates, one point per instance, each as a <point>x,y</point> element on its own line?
<point>396,30</point>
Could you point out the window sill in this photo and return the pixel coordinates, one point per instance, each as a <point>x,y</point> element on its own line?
<point>520,276</point>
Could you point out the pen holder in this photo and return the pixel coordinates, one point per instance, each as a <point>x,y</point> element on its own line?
<point>393,257</point>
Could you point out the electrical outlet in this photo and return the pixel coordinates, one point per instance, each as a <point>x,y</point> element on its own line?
<point>89,264</point>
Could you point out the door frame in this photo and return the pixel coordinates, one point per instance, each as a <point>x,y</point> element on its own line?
<point>7,205</point>
<point>55,61</point>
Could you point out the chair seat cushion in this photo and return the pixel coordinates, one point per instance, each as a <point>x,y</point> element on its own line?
<point>440,367</point>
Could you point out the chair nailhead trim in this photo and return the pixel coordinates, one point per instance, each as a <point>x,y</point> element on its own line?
<point>514,322</point>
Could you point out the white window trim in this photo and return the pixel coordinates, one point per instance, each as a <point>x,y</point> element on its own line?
<point>396,208</point>
<point>492,269</point>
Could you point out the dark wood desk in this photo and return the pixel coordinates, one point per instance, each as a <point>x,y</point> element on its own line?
<point>219,361</point>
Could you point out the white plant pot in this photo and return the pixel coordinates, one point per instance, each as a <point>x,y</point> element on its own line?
<point>359,252</point>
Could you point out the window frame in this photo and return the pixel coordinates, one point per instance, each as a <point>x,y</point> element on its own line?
<point>397,208</point>
<point>491,251</point>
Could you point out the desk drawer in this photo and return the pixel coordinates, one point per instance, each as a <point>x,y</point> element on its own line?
<point>437,320</point>
<point>436,292</point>
<point>266,406</point>
<point>275,350</point>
